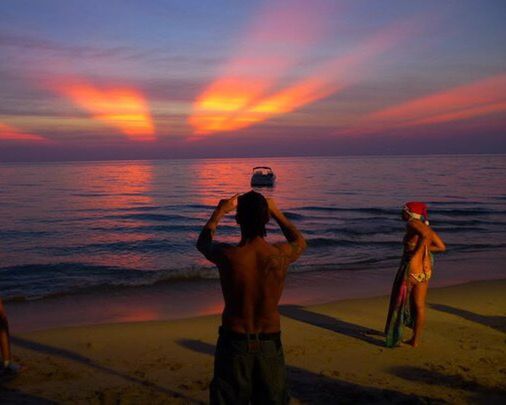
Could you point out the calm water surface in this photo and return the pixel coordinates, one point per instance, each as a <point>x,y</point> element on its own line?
<point>68,227</point>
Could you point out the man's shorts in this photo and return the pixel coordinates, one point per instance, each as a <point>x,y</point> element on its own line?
<point>249,367</point>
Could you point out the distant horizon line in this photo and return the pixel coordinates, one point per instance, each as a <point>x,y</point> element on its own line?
<point>254,157</point>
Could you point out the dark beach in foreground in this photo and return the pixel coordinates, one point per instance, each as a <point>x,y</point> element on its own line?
<point>334,352</point>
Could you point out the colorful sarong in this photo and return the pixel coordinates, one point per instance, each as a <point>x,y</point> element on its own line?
<point>400,313</point>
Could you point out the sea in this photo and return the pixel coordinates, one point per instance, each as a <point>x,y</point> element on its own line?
<point>78,227</point>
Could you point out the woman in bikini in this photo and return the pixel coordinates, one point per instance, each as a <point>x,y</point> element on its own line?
<point>407,301</point>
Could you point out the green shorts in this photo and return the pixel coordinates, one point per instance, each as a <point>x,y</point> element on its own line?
<point>248,370</point>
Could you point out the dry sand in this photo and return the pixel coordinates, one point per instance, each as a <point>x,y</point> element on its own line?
<point>334,353</point>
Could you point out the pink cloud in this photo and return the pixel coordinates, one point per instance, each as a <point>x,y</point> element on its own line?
<point>10,133</point>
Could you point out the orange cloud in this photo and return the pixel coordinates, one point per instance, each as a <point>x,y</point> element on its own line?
<point>121,108</point>
<point>483,97</point>
<point>270,48</point>
<point>235,102</point>
<point>284,101</point>
<point>9,133</point>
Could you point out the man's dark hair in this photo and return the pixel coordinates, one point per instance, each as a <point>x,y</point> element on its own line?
<point>252,214</point>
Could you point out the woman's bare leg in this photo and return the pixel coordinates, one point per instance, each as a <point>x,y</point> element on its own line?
<point>5,346</point>
<point>419,294</point>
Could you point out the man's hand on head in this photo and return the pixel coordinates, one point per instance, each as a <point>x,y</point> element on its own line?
<point>228,204</point>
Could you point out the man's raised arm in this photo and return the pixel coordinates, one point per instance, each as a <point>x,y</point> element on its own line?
<point>213,251</point>
<point>296,242</point>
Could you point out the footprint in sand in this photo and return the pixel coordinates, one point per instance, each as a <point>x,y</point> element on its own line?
<point>185,387</point>
<point>175,366</point>
<point>201,385</point>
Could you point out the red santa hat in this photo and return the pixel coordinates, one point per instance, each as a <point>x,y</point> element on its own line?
<point>417,210</point>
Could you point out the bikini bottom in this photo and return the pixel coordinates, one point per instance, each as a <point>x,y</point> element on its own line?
<point>421,277</point>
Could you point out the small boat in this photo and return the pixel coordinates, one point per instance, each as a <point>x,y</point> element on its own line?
<point>263,176</point>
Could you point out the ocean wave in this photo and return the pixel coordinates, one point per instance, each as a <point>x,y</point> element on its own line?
<point>15,234</point>
<point>436,222</point>
<point>356,230</point>
<point>472,247</point>
<point>321,242</point>
<point>92,194</point>
<point>138,246</point>
<point>293,215</point>
<point>370,210</point>
<point>194,206</point>
<point>39,281</point>
<point>467,212</point>
<point>172,228</point>
<point>454,203</point>
<point>147,208</point>
<point>387,212</point>
<point>154,217</point>
<point>459,229</point>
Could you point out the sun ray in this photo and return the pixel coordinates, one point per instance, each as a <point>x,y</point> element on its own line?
<point>122,108</point>
<point>483,97</point>
<point>232,103</point>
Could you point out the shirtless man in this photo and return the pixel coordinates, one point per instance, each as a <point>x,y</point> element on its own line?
<point>249,363</point>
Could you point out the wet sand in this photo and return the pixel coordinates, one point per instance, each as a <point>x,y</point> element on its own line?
<point>334,354</point>
<point>194,298</point>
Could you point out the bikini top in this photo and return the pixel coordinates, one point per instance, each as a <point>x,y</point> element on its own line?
<point>410,246</point>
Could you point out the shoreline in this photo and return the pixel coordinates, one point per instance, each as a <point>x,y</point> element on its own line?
<point>334,353</point>
<point>187,299</point>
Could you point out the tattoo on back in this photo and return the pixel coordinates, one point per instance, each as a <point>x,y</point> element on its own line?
<point>282,259</point>
<point>296,250</point>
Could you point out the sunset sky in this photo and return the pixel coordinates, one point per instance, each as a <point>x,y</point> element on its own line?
<point>167,79</point>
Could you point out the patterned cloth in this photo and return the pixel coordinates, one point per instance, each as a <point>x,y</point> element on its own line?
<point>400,313</point>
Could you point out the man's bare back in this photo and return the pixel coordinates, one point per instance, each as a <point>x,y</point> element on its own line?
<point>252,279</point>
<point>252,273</point>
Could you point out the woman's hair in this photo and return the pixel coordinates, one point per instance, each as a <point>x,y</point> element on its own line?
<point>252,214</point>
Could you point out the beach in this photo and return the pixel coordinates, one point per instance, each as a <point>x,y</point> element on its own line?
<point>334,354</point>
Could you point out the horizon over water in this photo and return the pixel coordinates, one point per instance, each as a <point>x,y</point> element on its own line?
<point>74,227</point>
<point>242,156</point>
